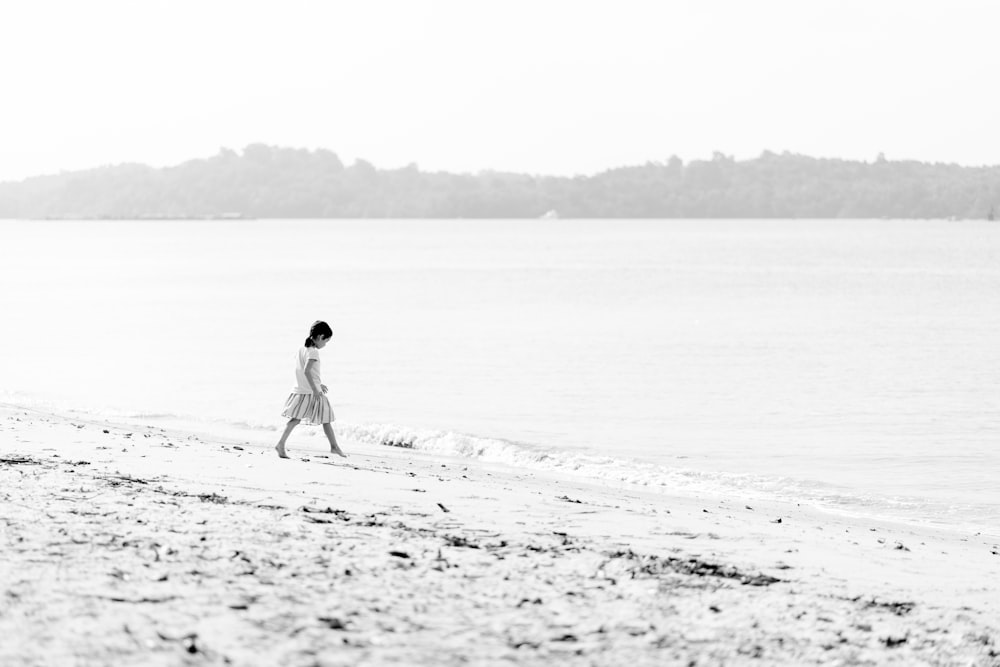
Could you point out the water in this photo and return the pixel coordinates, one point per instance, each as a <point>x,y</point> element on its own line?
<point>846,364</point>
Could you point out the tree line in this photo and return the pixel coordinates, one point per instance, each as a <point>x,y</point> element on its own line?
<point>273,182</point>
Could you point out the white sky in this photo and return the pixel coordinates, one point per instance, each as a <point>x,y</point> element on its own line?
<point>540,86</point>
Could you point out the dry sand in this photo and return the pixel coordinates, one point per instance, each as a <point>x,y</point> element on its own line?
<point>133,545</point>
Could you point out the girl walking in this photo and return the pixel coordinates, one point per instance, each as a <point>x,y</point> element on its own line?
<point>308,401</point>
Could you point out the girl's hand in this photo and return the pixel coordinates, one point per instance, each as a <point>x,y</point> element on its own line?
<point>318,394</point>
<point>323,387</point>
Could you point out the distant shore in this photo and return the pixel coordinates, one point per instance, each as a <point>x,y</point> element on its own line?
<point>143,218</point>
<point>242,218</point>
<point>265,181</point>
<point>136,544</point>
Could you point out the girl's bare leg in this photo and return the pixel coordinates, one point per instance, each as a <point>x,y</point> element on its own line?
<point>334,447</point>
<point>292,423</point>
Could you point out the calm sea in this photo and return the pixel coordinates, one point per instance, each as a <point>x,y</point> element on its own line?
<point>848,364</point>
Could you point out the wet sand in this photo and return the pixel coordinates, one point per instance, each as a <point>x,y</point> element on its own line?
<point>131,544</point>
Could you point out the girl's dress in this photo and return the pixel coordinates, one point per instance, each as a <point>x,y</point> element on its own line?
<point>302,403</point>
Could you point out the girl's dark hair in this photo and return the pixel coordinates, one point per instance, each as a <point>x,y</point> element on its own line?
<point>319,328</point>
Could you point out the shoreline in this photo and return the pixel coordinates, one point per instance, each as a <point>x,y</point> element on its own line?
<point>382,437</point>
<point>137,543</point>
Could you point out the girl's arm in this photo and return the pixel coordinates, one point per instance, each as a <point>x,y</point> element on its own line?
<point>309,378</point>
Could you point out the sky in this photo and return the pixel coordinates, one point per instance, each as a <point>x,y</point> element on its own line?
<point>536,86</point>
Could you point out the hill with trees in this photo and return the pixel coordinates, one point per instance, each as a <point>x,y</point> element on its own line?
<point>271,182</point>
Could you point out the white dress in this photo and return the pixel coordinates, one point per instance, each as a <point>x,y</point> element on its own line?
<point>302,404</point>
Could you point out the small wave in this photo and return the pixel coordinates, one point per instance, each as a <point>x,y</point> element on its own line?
<point>522,455</point>
<point>683,481</point>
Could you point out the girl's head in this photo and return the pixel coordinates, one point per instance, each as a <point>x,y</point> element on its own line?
<point>319,333</point>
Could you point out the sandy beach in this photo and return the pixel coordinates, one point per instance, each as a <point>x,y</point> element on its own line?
<point>128,544</point>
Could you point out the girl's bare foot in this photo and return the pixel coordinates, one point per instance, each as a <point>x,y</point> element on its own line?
<point>281,451</point>
<point>338,452</point>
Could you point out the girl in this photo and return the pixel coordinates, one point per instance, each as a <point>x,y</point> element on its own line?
<point>307,401</point>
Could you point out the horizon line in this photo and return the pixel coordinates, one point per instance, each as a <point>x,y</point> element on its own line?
<point>880,157</point>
